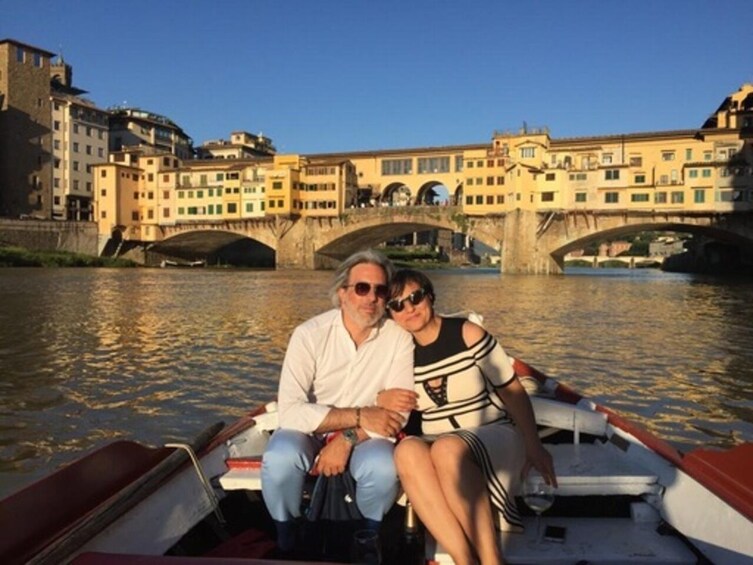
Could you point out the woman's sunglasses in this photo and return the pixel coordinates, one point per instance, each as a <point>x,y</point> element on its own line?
<point>414,298</point>
<point>363,289</point>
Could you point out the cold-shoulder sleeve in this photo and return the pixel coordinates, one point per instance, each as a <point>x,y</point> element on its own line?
<point>493,361</point>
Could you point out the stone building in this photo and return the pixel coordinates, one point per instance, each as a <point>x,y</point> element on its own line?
<point>25,131</point>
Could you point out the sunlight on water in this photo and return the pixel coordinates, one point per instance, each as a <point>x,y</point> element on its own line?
<point>89,355</point>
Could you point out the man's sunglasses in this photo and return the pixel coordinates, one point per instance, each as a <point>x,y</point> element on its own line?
<point>414,298</point>
<point>363,289</point>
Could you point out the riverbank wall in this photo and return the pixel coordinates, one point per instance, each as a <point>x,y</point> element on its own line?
<point>50,235</point>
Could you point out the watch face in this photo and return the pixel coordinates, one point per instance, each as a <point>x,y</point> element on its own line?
<point>351,435</point>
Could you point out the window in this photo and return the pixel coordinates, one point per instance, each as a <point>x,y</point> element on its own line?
<point>479,199</point>
<point>612,174</point>
<point>706,173</point>
<point>165,212</point>
<point>660,198</point>
<point>219,177</point>
<point>580,196</point>
<point>527,152</point>
<point>611,197</point>
<point>135,216</point>
<point>547,196</point>
<point>693,173</point>
<point>642,197</point>
<point>606,159</point>
<point>688,154</point>
<point>469,182</point>
<point>636,161</point>
<point>232,208</point>
<point>678,197</point>
<point>397,167</point>
<point>707,155</point>
<point>699,196</point>
<point>489,181</point>
<point>56,125</point>
<point>19,54</point>
<point>640,179</point>
<point>549,177</point>
<point>433,165</point>
<point>458,162</point>
<point>136,195</point>
<point>469,200</point>
<point>38,60</point>
<point>490,199</point>
<point>668,156</point>
<point>75,147</point>
<point>500,180</point>
<point>500,199</point>
<point>277,185</point>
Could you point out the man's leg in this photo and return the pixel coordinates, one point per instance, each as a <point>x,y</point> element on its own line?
<point>373,469</point>
<point>286,461</point>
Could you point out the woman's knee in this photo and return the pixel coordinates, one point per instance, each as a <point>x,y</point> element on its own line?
<point>408,455</point>
<point>448,451</point>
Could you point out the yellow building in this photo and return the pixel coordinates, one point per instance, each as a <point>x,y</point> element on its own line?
<point>705,169</point>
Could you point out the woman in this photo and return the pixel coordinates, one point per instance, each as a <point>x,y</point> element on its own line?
<point>460,473</point>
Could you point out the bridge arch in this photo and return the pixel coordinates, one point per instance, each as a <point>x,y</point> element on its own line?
<point>726,234</point>
<point>363,229</point>
<point>397,194</point>
<point>429,195</point>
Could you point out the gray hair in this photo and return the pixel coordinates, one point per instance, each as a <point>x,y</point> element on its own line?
<point>343,270</point>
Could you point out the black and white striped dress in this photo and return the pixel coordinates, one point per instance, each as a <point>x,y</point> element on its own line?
<point>465,404</point>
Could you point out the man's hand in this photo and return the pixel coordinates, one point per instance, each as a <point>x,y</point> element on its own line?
<point>333,458</point>
<point>381,421</point>
<point>397,399</point>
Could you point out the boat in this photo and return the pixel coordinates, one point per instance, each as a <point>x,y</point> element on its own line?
<point>624,496</point>
<point>165,263</point>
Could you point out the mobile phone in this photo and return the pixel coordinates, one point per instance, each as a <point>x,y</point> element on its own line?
<point>555,534</point>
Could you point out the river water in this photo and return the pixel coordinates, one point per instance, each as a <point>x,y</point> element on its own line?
<point>90,355</point>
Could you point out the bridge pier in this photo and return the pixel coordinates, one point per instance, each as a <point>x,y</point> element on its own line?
<point>521,253</point>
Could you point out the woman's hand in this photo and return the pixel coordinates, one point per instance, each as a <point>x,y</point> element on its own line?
<point>539,458</point>
<point>397,399</point>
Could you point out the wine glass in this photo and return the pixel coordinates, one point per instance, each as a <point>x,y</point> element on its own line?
<point>538,496</point>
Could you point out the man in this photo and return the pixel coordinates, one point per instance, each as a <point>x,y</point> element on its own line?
<point>335,365</point>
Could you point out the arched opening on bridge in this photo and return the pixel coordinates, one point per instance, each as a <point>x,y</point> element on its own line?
<point>433,193</point>
<point>214,248</point>
<point>396,194</point>
<point>673,247</point>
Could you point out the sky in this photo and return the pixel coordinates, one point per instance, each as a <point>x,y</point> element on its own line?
<point>336,76</point>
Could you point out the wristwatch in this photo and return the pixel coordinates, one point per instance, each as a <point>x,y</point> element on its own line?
<point>351,436</point>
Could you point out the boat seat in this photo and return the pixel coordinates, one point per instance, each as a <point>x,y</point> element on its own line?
<point>599,469</point>
<point>561,415</point>
<point>244,473</point>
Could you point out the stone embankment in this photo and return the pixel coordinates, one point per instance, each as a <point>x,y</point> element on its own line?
<point>50,235</point>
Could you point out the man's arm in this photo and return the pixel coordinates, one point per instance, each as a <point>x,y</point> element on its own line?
<point>297,412</point>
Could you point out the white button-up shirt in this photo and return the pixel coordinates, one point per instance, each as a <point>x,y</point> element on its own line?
<point>323,368</point>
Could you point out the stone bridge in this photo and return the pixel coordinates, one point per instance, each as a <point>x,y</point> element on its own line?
<point>529,242</point>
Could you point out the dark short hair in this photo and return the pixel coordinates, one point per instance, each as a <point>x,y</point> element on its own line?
<point>405,276</point>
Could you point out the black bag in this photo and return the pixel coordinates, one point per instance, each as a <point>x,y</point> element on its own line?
<point>334,498</point>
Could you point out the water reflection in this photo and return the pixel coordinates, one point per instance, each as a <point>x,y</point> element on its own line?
<point>94,354</point>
